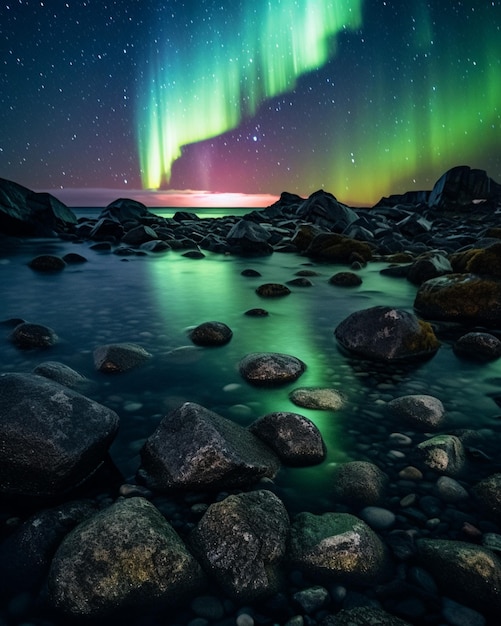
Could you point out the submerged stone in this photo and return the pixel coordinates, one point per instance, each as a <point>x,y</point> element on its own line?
<point>211,334</point>
<point>119,357</point>
<point>419,410</point>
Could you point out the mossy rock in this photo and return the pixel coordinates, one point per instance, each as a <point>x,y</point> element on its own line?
<point>481,261</point>
<point>462,298</point>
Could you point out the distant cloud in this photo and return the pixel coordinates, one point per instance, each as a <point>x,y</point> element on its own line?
<point>167,198</point>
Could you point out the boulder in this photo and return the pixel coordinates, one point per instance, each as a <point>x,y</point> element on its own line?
<point>443,453</point>
<point>266,369</point>
<point>345,279</point>
<point>194,448</point>
<point>47,263</point>
<point>428,266</point>
<point>119,357</point>
<point>27,336</point>
<point>272,290</point>
<point>364,616</point>
<point>419,410</point>
<point>304,235</point>
<point>107,229</point>
<point>294,438</point>
<point>52,438</point>
<point>359,483</point>
<point>466,572</point>
<point>337,248</point>
<point>488,493</point>
<point>321,398</point>
<point>241,542</point>
<point>139,235</point>
<point>386,334</point>
<point>481,261</point>
<point>462,298</point>
<point>26,213</point>
<point>478,346</point>
<point>211,334</point>
<point>324,210</point>
<point>125,210</point>
<point>460,186</point>
<point>60,373</point>
<point>125,557</point>
<point>250,239</point>
<point>338,547</point>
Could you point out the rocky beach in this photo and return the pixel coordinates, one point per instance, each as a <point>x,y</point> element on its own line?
<point>347,470</point>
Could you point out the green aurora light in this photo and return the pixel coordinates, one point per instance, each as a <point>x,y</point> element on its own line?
<point>215,82</point>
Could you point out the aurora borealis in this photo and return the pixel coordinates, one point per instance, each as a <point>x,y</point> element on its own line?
<point>362,98</point>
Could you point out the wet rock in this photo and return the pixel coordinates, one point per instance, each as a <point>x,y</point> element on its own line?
<point>359,483</point>
<point>386,334</point>
<point>304,235</point>
<point>193,254</point>
<point>47,263</point>
<point>194,448</point>
<point>427,266</point>
<point>345,279</point>
<point>312,599</point>
<point>60,373</point>
<point>211,334</point>
<point>465,572</point>
<point>323,209</point>
<point>420,410</point>
<point>364,616</point>
<point>73,258</point>
<point>106,229</point>
<point>460,186</point>
<point>337,547</point>
<point>139,235</point>
<point>334,247</point>
<point>273,290</point>
<point>248,238</point>
<point>241,542</point>
<point>449,490</point>
<point>257,313</point>
<point>26,554</point>
<point>463,298</point>
<point>443,453</point>
<point>478,346</point>
<point>119,357</point>
<point>488,493</point>
<point>300,282</point>
<point>483,261</point>
<point>125,557</point>
<point>377,517</point>
<point>125,210</point>
<point>27,336</point>
<point>250,273</point>
<point>294,438</point>
<point>270,368</point>
<point>52,438</point>
<point>317,398</point>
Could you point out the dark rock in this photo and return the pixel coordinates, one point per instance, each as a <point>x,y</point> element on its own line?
<point>155,245</point>
<point>345,279</point>
<point>324,210</point>
<point>294,438</point>
<point>478,346</point>
<point>27,336</point>
<point>419,410</point>
<point>52,438</point>
<point>138,235</point>
<point>25,555</point>
<point>211,334</point>
<point>185,216</point>
<point>427,266</point>
<point>270,368</point>
<point>26,213</point>
<point>257,313</point>
<point>364,616</point>
<point>300,282</point>
<point>334,247</point>
<point>248,238</point>
<point>304,235</point>
<point>61,374</point>
<point>488,493</point>
<point>359,483</point>
<point>125,210</point>
<point>193,254</point>
<point>125,557</point>
<point>465,572</point>
<point>107,229</point>
<point>194,448</point>
<point>337,547</point>
<point>241,542</point>
<point>73,258</point>
<point>119,357</point>
<point>102,246</point>
<point>414,225</point>
<point>463,298</point>
<point>250,272</point>
<point>460,186</point>
<point>443,453</point>
<point>481,261</point>
<point>47,263</point>
<point>272,290</point>
<point>386,334</point>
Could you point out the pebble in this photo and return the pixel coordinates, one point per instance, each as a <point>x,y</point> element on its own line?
<point>396,454</point>
<point>399,439</point>
<point>312,599</point>
<point>377,517</point>
<point>411,473</point>
<point>408,500</point>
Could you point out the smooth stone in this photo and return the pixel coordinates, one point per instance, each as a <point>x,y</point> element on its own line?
<point>26,336</point>
<point>270,368</point>
<point>419,410</point>
<point>119,357</point>
<point>317,398</point>
<point>377,517</point>
<point>449,490</point>
<point>211,334</point>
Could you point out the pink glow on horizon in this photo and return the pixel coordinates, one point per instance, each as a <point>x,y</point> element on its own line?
<point>168,198</point>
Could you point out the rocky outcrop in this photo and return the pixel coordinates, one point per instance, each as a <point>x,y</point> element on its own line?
<point>52,438</point>
<point>125,557</point>
<point>460,186</point>
<point>241,542</point>
<point>249,239</point>
<point>26,213</point>
<point>294,438</point>
<point>386,334</point>
<point>194,448</point>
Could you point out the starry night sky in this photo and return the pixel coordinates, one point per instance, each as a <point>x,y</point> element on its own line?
<point>362,98</point>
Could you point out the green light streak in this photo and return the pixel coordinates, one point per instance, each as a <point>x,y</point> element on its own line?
<point>212,82</point>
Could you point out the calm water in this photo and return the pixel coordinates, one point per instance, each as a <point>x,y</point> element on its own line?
<point>155,300</point>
